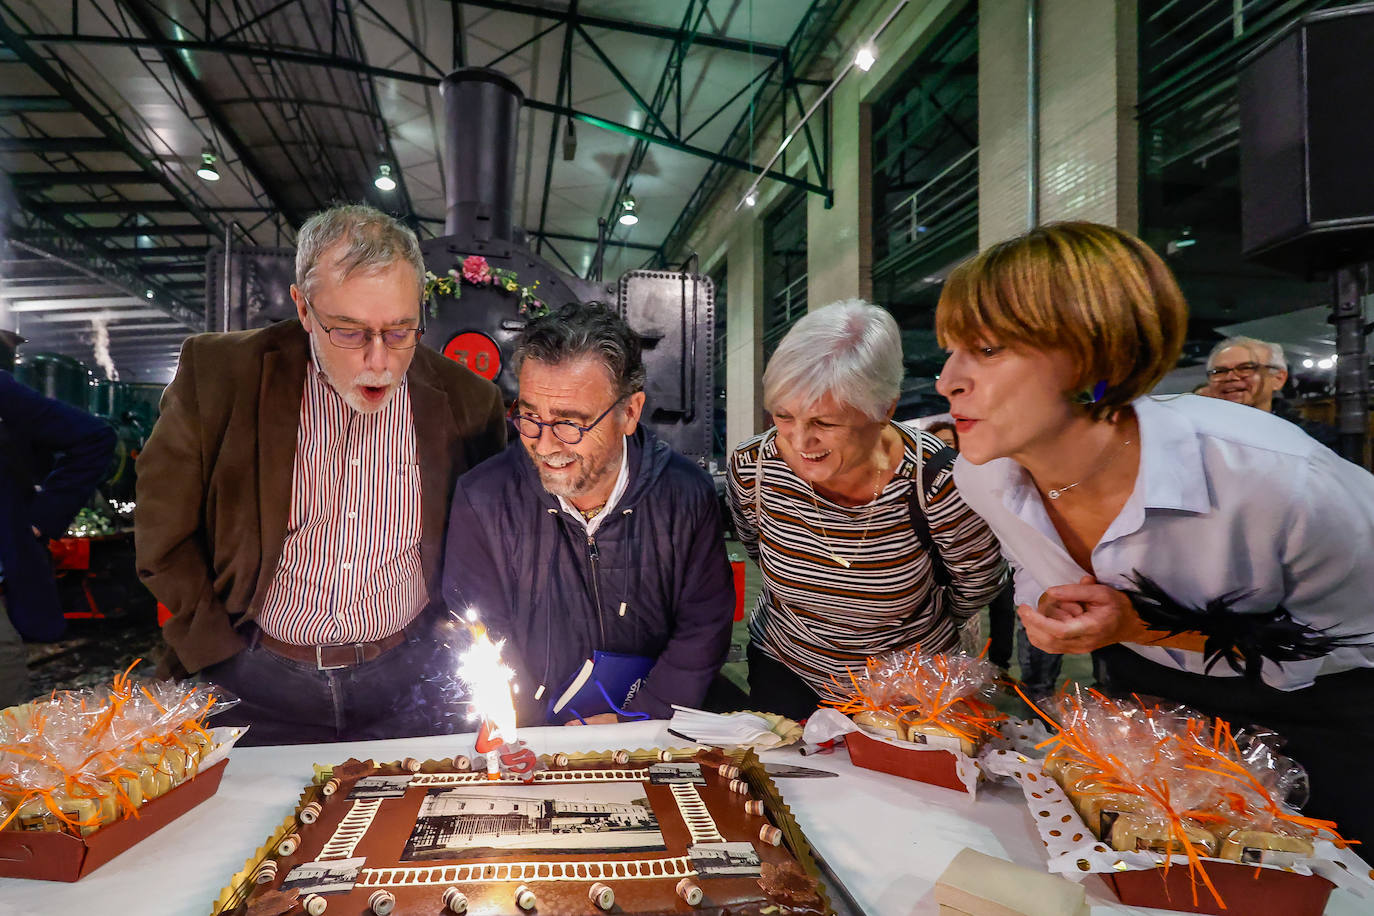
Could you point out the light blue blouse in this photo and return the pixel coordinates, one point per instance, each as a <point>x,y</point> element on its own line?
<point>1228,499</point>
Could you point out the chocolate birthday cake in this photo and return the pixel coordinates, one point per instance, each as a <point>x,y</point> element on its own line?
<point>625,832</point>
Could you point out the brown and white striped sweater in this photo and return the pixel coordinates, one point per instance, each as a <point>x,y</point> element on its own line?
<point>822,619</point>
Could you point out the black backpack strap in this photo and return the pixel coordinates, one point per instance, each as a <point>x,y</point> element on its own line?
<point>930,470</point>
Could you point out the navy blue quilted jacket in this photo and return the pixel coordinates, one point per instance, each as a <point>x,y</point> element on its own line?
<point>654,580</point>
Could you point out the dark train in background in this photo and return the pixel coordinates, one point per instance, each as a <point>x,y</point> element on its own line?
<point>673,312</point>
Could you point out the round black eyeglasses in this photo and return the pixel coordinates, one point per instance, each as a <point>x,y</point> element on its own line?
<point>565,430</point>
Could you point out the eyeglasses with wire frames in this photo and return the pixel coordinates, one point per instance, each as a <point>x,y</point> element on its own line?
<point>358,338</point>
<point>566,431</point>
<point>1243,370</point>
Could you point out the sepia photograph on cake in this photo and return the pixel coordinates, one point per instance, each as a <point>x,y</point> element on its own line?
<point>467,821</point>
<point>337,877</point>
<point>380,787</point>
<point>724,860</point>
<point>663,774</point>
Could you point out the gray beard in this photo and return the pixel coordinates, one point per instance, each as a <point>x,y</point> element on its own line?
<point>350,396</point>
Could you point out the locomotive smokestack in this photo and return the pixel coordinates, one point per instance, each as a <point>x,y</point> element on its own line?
<point>481,111</point>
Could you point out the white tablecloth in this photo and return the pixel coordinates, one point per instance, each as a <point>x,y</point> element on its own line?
<point>887,839</point>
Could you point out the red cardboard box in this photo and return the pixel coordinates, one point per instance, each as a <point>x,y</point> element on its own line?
<point>52,856</point>
<point>934,767</point>
<point>1280,893</point>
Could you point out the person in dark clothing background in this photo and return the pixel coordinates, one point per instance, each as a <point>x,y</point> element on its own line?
<point>590,544</point>
<point>75,448</point>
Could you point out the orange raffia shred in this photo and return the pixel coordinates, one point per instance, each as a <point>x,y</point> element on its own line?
<point>102,765</point>
<point>933,700</point>
<point>1216,746</point>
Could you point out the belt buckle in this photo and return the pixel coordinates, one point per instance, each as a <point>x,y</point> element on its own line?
<point>319,657</point>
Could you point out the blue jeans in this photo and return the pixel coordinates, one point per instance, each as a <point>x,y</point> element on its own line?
<point>1039,669</point>
<point>409,691</point>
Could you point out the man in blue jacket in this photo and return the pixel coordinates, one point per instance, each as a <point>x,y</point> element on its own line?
<point>34,431</point>
<point>591,541</point>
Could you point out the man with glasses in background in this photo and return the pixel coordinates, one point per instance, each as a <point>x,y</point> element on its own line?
<point>592,547</point>
<point>293,496</point>
<point>1253,372</point>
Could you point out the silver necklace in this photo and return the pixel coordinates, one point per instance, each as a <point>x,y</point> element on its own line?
<point>1056,493</point>
<point>825,535</point>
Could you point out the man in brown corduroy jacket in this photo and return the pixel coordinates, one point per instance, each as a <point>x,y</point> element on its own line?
<point>293,497</point>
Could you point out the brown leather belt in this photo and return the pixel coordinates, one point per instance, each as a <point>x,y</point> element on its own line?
<point>339,655</point>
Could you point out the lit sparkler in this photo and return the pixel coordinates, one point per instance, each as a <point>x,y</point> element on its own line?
<point>488,680</point>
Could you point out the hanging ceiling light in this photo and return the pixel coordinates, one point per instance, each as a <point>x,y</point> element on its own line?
<point>207,169</point>
<point>751,199</point>
<point>569,143</point>
<point>865,58</point>
<point>628,211</point>
<point>384,181</point>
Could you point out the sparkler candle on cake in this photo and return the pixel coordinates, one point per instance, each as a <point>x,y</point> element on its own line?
<point>488,680</point>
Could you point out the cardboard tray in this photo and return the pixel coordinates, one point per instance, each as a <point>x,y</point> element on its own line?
<point>933,767</point>
<point>53,856</point>
<point>1271,891</point>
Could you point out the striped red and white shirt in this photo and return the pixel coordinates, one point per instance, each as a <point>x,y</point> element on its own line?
<point>350,568</point>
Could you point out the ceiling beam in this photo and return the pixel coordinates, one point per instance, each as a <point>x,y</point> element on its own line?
<point>57,144</point>
<point>45,288</point>
<point>26,180</point>
<point>17,104</point>
<point>92,303</point>
<point>700,152</point>
<point>81,105</point>
<point>58,208</point>
<point>152,331</point>
<point>161,251</point>
<point>126,232</point>
<point>634,28</point>
<point>589,240</point>
<point>112,313</point>
<point>146,15</point>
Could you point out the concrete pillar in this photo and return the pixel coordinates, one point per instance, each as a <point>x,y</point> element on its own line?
<point>744,332</point>
<point>839,240</point>
<point>1089,155</point>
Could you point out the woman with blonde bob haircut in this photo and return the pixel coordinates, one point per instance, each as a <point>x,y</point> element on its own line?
<point>1207,552</point>
<point>827,503</point>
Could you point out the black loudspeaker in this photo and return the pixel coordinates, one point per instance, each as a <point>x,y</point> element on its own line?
<point>1307,144</point>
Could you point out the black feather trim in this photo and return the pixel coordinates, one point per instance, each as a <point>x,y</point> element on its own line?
<point>1244,639</point>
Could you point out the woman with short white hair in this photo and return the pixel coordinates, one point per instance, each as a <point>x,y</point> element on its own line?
<point>857,559</point>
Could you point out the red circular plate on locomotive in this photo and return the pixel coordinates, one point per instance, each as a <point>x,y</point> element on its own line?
<point>477,351</point>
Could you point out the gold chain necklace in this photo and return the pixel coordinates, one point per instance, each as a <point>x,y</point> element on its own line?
<point>825,535</point>
<point>1053,493</point>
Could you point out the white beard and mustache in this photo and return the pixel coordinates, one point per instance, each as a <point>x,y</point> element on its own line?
<point>349,392</point>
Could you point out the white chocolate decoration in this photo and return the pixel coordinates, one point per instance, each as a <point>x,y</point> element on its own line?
<point>688,890</point>
<point>601,896</point>
<point>382,902</point>
<point>310,813</point>
<point>770,835</point>
<point>314,904</point>
<point>456,901</point>
<point>524,898</point>
<point>289,844</point>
